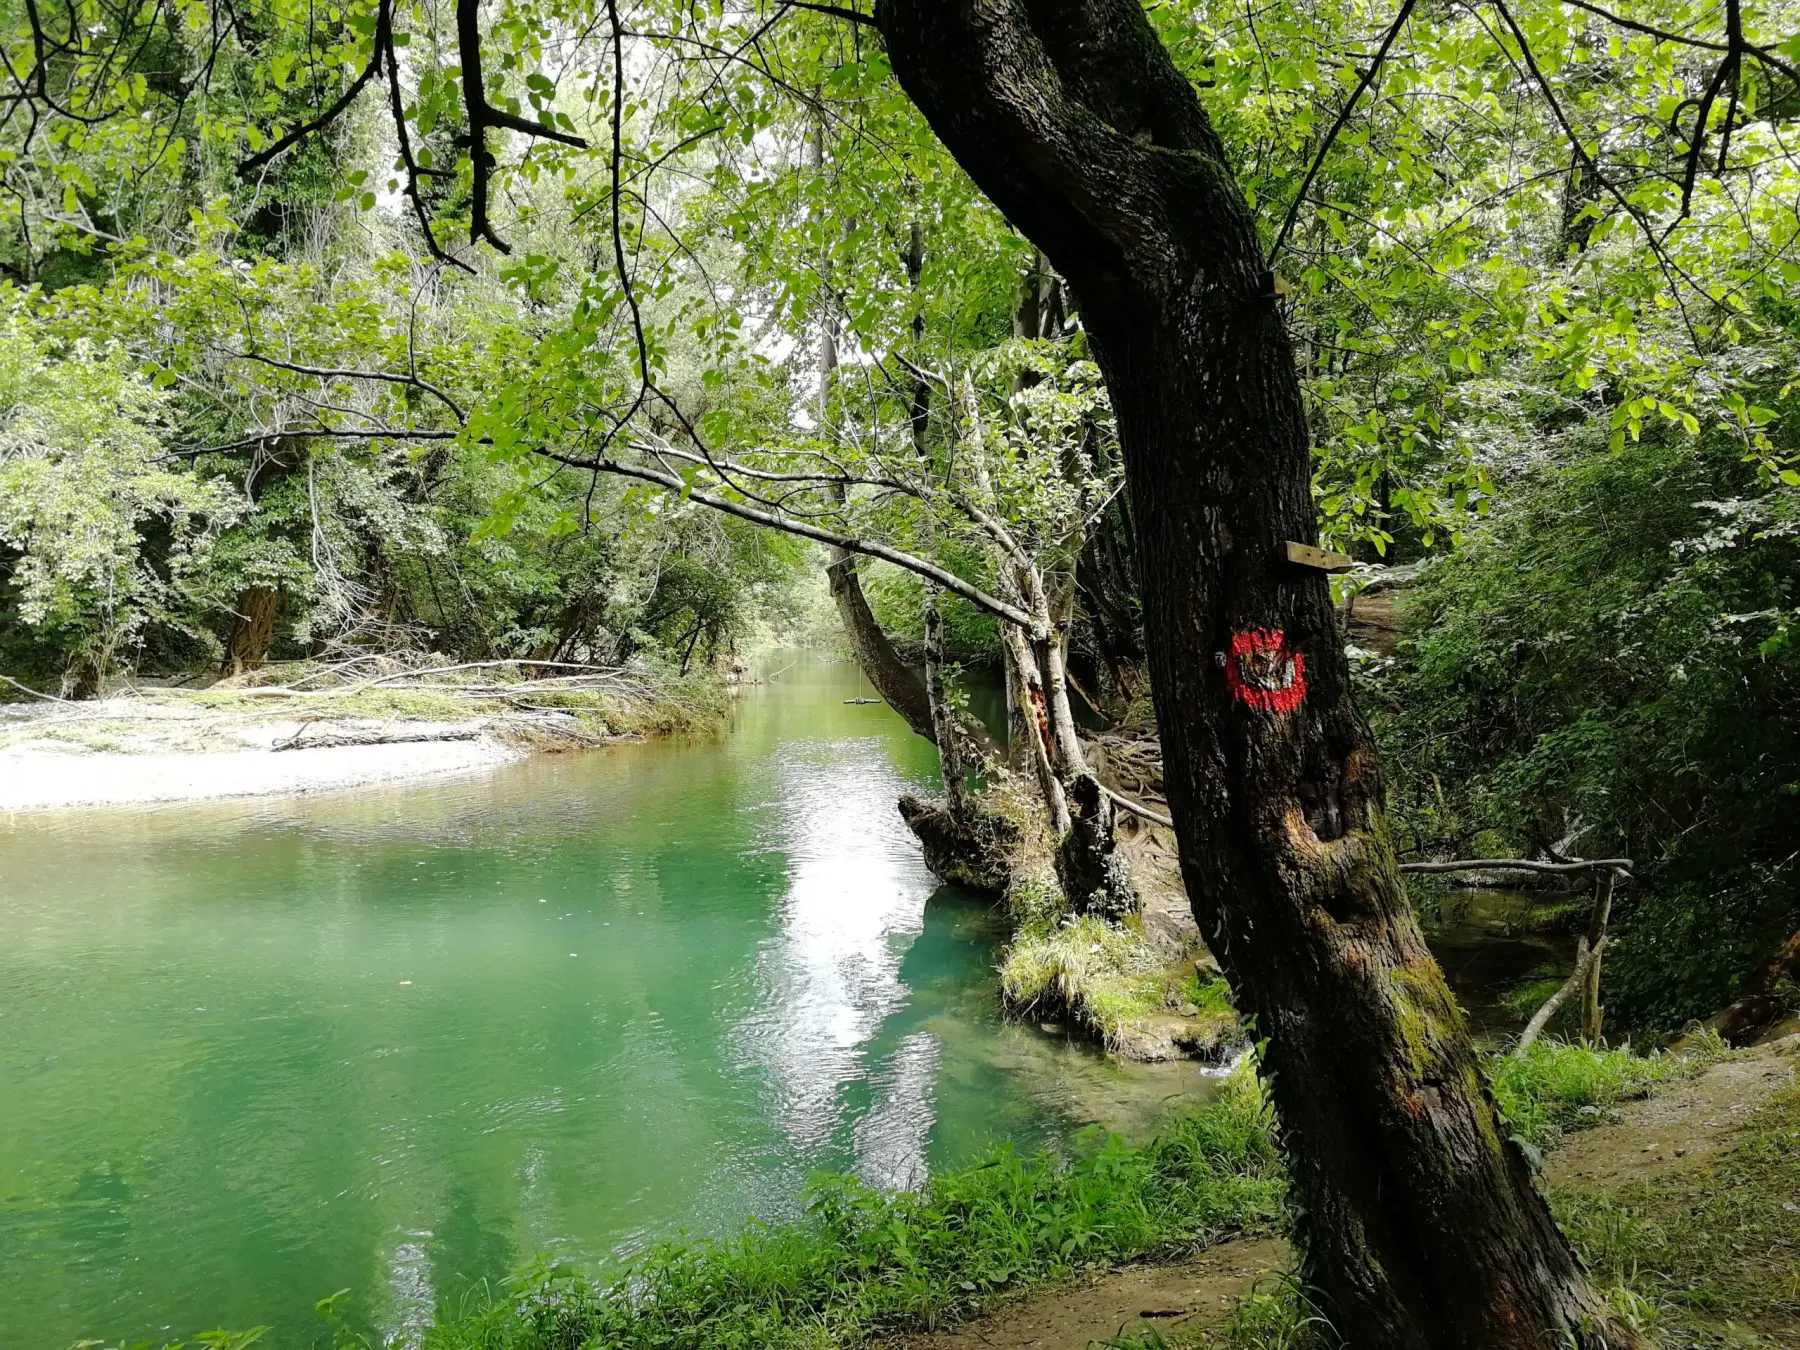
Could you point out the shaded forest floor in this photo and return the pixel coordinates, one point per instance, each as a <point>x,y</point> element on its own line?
<point>1685,1203</point>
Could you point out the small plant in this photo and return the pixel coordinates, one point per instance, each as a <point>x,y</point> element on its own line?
<point>1284,1317</point>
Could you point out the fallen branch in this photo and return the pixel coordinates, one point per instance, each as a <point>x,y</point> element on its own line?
<point>27,689</point>
<point>331,741</point>
<point>1518,865</point>
<point>1138,808</point>
<point>1584,960</point>
<point>491,665</point>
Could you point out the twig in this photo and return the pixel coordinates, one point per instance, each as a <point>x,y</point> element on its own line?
<point>1138,808</point>
<point>1312,170</point>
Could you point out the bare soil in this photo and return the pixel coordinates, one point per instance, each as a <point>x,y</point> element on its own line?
<point>1683,1127</point>
<point>1181,1298</point>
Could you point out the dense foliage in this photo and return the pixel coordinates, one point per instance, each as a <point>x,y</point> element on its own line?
<point>314,347</point>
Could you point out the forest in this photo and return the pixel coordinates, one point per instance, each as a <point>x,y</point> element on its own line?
<point>1308,476</point>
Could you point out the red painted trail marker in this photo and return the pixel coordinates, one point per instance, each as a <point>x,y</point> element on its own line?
<point>1264,673</point>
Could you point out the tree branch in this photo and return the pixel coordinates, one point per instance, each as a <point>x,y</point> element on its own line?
<point>246,167</point>
<point>1518,865</point>
<point>1368,78</point>
<point>1000,609</point>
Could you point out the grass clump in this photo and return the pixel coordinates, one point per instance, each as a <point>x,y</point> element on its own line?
<point>1557,1087</point>
<point>1101,974</point>
<point>1711,1256</point>
<point>869,1260</point>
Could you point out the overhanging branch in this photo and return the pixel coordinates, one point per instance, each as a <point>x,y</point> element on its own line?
<point>999,608</point>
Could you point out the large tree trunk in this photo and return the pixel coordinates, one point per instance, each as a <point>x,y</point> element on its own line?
<point>253,633</point>
<point>1419,1220</point>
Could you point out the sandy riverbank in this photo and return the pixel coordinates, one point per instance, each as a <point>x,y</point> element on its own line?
<point>135,749</point>
<point>36,777</point>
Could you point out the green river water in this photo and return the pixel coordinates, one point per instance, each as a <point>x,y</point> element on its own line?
<point>392,1040</point>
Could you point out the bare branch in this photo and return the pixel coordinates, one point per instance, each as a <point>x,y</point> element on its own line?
<point>1000,609</point>
<point>329,373</point>
<point>1519,865</point>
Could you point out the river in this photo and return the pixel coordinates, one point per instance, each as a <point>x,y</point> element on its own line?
<point>395,1040</point>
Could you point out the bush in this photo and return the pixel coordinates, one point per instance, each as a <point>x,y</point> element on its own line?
<point>1613,649</point>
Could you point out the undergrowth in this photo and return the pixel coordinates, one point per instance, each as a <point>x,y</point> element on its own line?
<point>1557,1087</point>
<point>871,1260</point>
<point>1711,1256</point>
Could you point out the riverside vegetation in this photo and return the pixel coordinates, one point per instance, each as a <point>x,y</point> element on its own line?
<point>1049,337</point>
<point>871,1262</point>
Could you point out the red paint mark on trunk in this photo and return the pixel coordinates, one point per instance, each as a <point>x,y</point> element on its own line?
<point>1264,673</point>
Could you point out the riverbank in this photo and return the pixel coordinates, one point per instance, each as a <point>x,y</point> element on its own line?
<point>306,730</point>
<point>1676,1180</point>
<point>1670,1172</point>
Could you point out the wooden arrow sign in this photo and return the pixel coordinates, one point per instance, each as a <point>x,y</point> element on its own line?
<point>1305,555</point>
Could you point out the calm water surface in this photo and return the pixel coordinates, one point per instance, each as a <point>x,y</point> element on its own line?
<point>392,1040</point>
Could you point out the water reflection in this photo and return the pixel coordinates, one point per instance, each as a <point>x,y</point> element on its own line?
<point>855,894</point>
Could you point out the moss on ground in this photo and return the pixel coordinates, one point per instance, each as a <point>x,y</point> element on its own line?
<point>1085,968</point>
<point>1113,984</point>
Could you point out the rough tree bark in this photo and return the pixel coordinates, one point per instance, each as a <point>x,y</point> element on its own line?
<point>1419,1220</point>
<point>253,633</point>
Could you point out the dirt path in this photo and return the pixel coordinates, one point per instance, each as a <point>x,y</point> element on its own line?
<point>1684,1127</point>
<point>1179,1299</point>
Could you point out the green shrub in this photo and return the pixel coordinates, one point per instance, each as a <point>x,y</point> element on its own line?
<point>1614,648</point>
